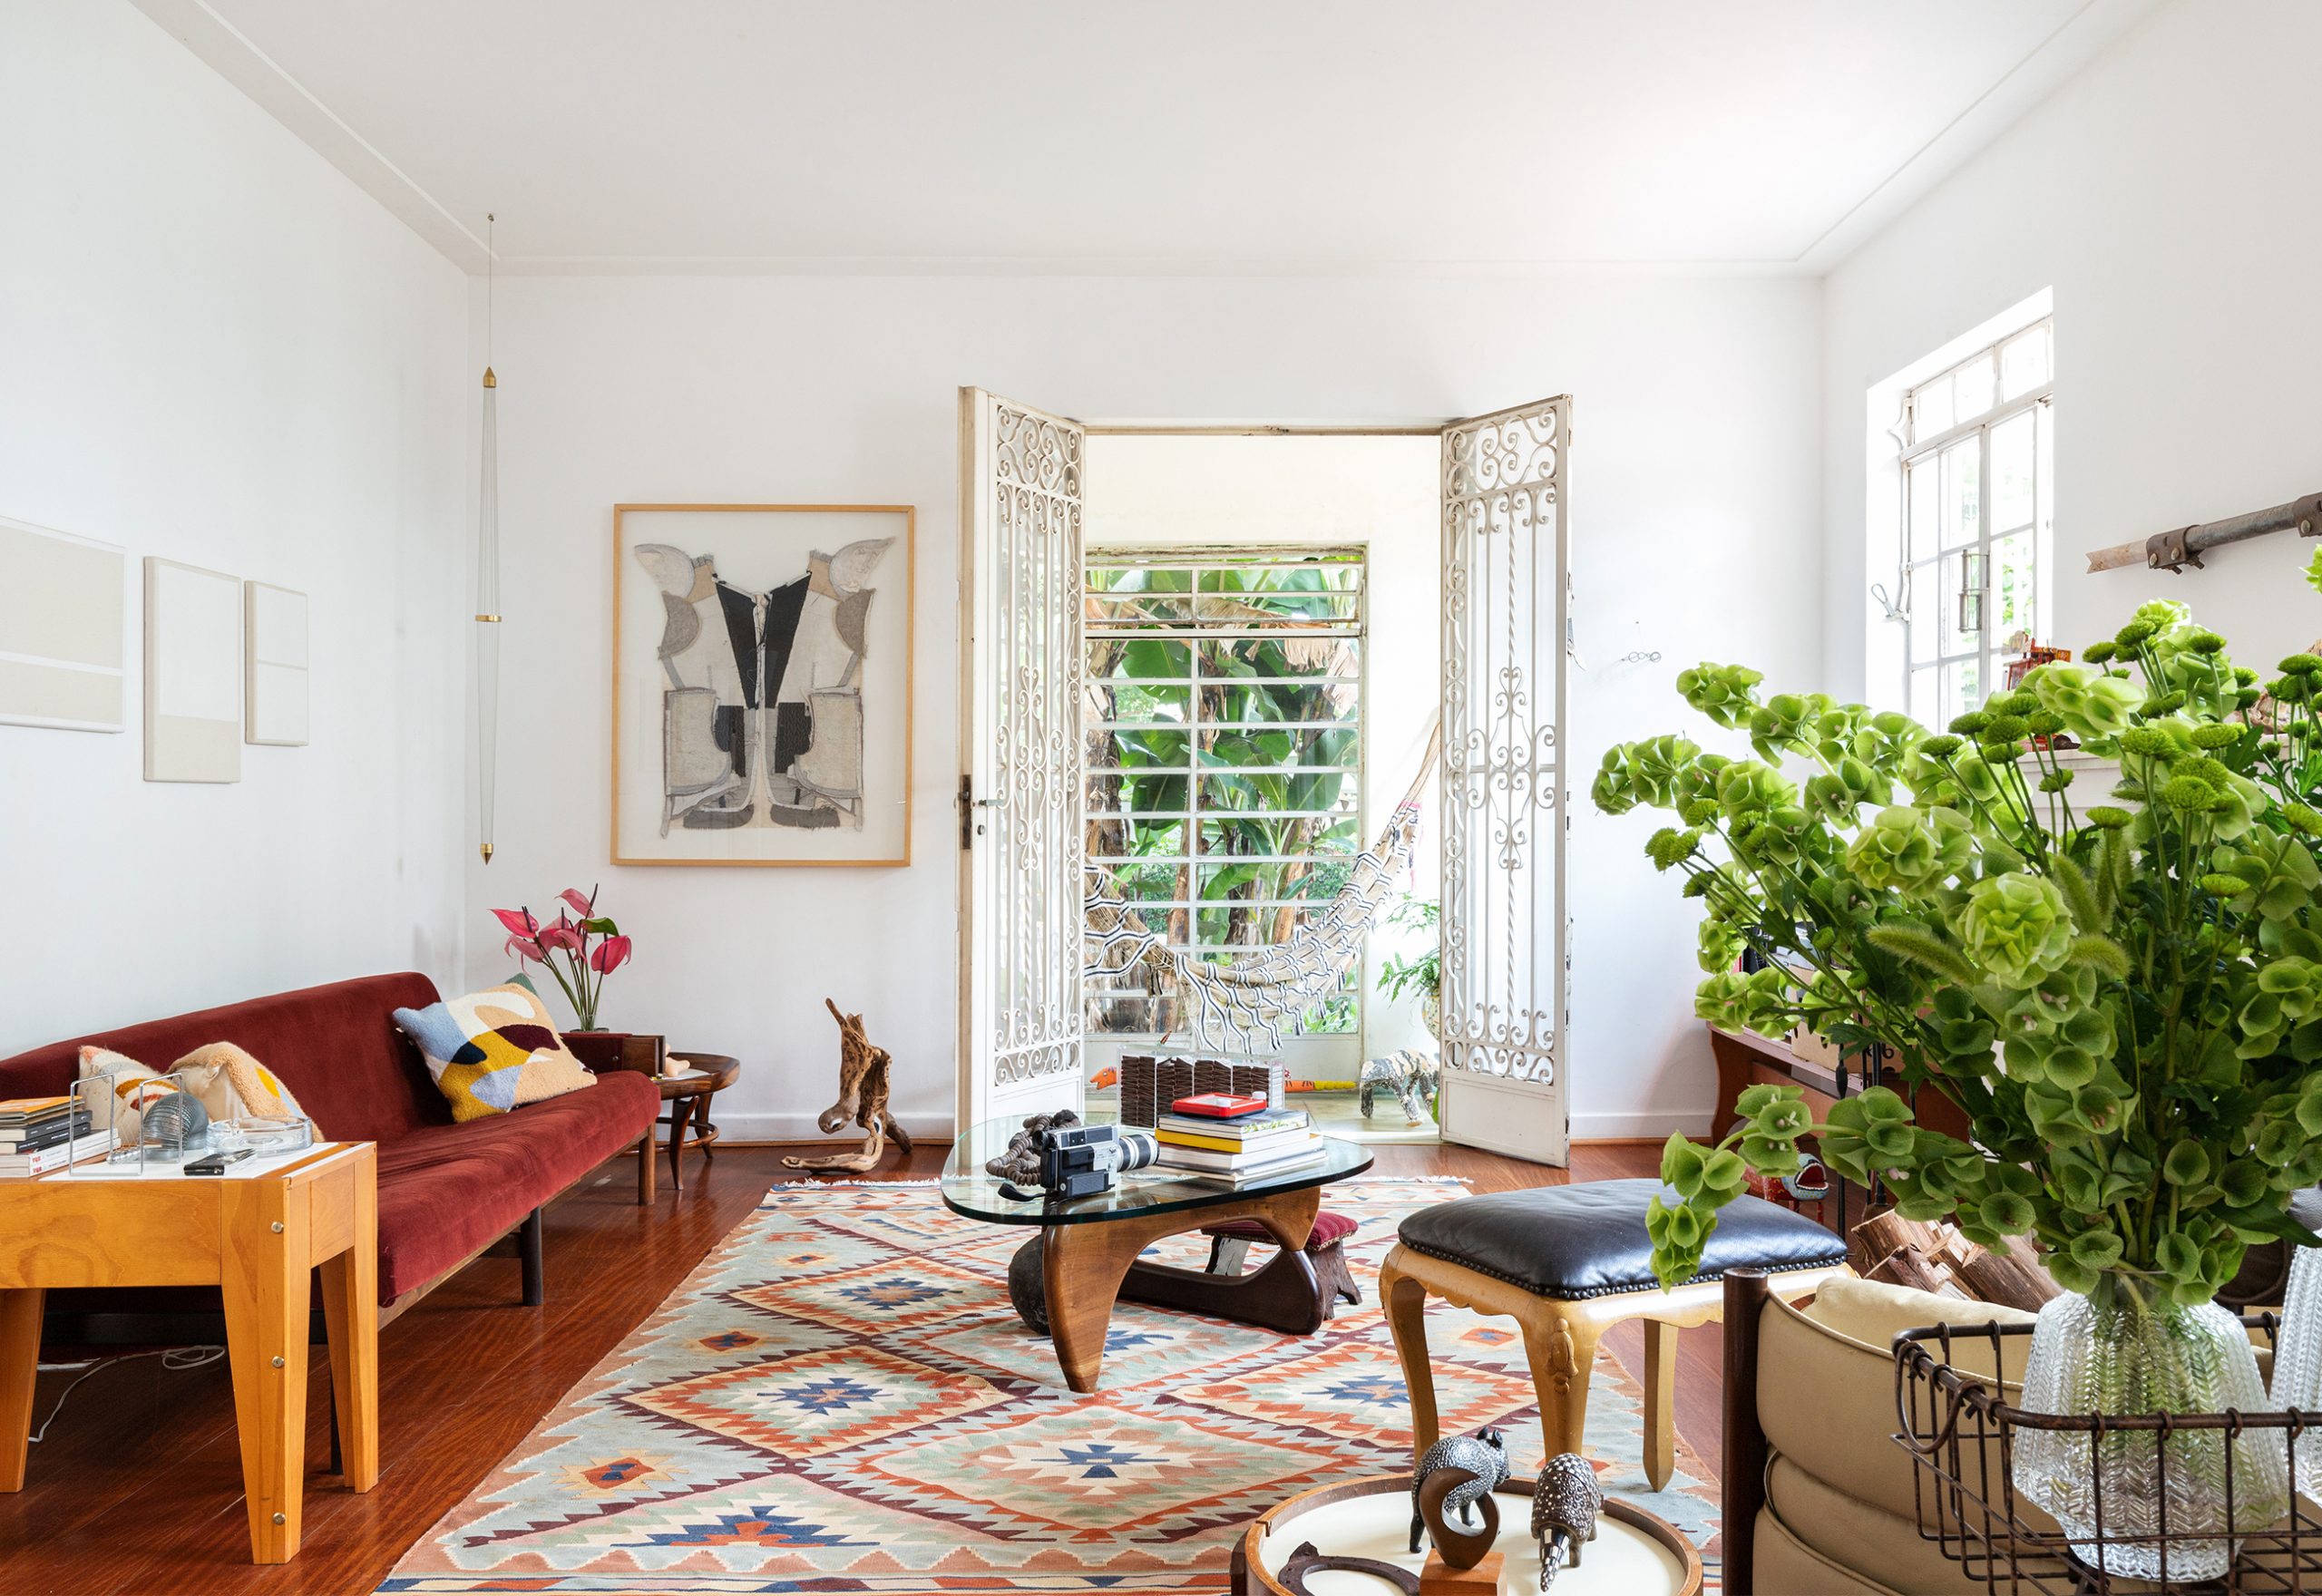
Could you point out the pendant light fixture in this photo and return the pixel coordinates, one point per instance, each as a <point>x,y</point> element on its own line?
<point>487,576</point>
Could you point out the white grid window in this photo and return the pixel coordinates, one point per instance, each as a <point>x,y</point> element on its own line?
<point>1223,760</point>
<point>1979,514</point>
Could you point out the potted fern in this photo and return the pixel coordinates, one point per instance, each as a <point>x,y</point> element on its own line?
<point>2122,990</point>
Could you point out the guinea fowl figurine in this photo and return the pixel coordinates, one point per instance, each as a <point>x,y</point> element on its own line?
<point>1563,1512</point>
<point>1483,1454</point>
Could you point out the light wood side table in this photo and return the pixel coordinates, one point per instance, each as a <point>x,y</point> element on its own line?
<point>254,1236</point>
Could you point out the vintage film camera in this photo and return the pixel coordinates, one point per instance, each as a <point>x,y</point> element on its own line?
<point>1080,1161</point>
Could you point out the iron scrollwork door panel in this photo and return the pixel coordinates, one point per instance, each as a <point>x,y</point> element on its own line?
<point>1505,590</point>
<point>1022,1018</point>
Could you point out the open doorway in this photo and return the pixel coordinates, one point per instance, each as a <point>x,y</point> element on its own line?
<point>1261,660</point>
<point>1501,562</point>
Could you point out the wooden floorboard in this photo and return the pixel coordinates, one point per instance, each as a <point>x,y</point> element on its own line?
<point>137,1488</point>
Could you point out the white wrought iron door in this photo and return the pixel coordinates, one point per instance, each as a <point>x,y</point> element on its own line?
<point>1021,952</point>
<point>1505,962</point>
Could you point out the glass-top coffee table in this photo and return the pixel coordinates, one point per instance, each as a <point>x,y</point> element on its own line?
<point>1065,1279</point>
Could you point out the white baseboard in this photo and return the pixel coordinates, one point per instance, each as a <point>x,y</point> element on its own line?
<point>1629,1124</point>
<point>800,1127</point>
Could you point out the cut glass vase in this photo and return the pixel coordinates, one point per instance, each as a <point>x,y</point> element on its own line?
<point>2131,1504</point>
<point>2297,1359</point>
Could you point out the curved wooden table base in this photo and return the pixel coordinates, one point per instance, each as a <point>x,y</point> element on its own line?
<point>1086,1268</point>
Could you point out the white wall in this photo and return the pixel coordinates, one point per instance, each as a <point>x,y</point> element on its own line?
<point>2166,194</point>
<point>1696,518</point>
<point>1382,494</point>
<point>214,347</point>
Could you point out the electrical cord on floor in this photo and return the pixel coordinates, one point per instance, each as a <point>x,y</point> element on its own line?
<point>173,1357</point>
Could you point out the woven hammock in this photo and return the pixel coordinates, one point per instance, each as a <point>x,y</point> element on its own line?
<point>1246,1007</point>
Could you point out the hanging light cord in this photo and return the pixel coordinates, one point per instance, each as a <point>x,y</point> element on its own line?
<point>491,255</point>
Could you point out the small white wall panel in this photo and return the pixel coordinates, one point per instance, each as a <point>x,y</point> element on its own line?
<point>193,673</point>
<point>61,644</point>
<point>274,674</point>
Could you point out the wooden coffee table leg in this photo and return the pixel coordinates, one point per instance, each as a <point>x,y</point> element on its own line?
<point>678,1115</point>
<point>701,1127</point>
<point>1081,1268</point>
<point>19,1365</point>
<point>1285,1295</point>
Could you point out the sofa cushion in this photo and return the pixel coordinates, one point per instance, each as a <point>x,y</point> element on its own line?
<point>334,1046</point>
<point>1826,1394</point>
<point>1570,1242</point>
<point>1862,1547</point>
<point>447,1192</point>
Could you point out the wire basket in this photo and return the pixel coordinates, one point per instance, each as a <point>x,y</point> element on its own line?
<point>1961,1436</point>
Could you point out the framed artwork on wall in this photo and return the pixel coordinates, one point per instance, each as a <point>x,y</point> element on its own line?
<point>193,673</point>
<point>61,602</point>
<point>274,669</point>
<point>761,683</point>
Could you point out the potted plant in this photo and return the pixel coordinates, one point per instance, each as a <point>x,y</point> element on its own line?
<point>2124,999</point>
<point>1421,976</point>
<point>578,949</point>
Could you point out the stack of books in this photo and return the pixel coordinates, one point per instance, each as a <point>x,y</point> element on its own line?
<point>1246,1146</point>
<point>39,1135</point>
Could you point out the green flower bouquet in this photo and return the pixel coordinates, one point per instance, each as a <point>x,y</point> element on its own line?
<point>2124,999</point>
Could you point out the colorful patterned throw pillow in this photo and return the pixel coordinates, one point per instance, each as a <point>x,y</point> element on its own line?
<point>494,1051</point>
<point>233,1086</point>
<point>134,1087</point>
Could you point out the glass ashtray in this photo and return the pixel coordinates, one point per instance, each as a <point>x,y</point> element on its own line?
<point>264,1136</point>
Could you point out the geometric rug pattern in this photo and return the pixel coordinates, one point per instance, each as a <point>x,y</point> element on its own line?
<point>839,1400</point>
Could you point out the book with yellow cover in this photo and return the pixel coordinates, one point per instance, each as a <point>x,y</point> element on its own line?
<point>1231,1143</point>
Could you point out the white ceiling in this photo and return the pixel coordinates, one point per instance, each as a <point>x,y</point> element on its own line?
<point>1198,135</point>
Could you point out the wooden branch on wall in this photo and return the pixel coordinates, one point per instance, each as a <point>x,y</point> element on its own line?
<point>2174,550</point>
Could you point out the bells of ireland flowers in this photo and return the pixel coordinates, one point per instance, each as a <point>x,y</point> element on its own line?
<point>1914,851</point>
<point>2093,705</point>
<point>2014,927</point>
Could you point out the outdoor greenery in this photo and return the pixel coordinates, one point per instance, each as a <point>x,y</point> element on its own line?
<point>1421,976</point>
<point>2124,999</point>
<point>1250,703</point>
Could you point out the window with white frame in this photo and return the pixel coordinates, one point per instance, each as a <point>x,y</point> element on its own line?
<point>1223,766</point>
<point>1977,520</point>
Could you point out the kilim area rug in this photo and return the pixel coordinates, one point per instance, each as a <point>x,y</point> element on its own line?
<point>839,1400</point>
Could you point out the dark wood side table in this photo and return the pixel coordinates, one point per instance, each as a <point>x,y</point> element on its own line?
<point>689,1096</point>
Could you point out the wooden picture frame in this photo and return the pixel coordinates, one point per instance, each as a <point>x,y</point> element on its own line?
<point>762,678</point>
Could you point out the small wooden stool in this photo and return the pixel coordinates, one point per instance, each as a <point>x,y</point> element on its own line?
<point>1230,1244</point>
<point>1565,1263</point>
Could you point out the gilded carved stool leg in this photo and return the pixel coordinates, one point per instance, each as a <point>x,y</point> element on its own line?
<point>1405,1301</point>
<point>1659,1402</point>
<point>1562,1348</point>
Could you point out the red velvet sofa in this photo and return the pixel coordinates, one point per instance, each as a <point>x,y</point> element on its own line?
<point>446,1192</point>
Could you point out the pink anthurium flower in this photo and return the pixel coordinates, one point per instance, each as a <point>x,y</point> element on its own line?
<point>565,950</point>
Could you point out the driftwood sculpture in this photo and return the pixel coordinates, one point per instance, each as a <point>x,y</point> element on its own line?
<point>862,1088</point>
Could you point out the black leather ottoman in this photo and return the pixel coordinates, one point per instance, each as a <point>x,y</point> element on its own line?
<point>1565,1263</point>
